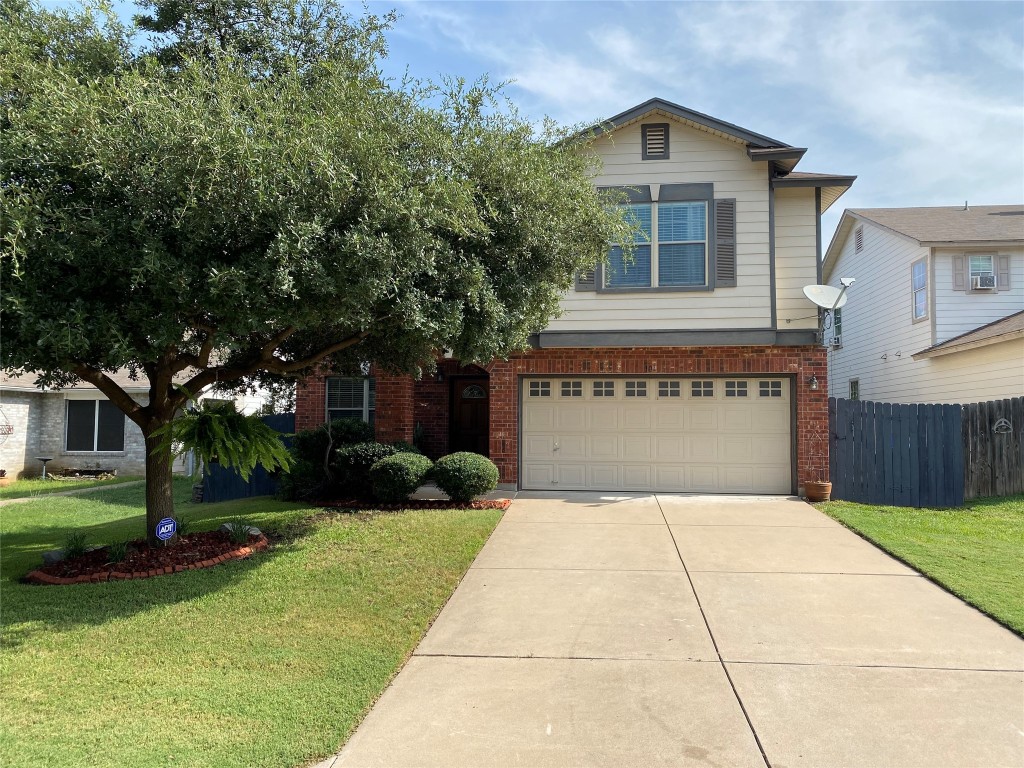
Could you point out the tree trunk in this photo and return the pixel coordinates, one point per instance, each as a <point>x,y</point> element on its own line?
<point>159,484</point>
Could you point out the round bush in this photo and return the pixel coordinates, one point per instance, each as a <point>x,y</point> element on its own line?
<point>311,444</point>
<point>351,466</point>
<point>465,475</point>
<point>395,477</point>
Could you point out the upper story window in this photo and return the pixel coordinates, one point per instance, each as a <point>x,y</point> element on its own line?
<point>94,425</point>
<point>670,247</point>
<point>982,272</point>
<point>654,140</point>
<point>351,398</point>
<point>919,288</point>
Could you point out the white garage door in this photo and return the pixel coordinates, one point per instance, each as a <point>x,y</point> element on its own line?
<point>713,435</point>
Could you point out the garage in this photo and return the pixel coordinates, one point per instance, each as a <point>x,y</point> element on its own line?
<point>668,434</point>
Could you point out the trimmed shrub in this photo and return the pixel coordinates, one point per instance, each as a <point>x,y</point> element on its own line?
<point>404,447</point>
<point>307,477</point>
<point>395,477</point>
<point>351,467</point>
<point>465,475</point>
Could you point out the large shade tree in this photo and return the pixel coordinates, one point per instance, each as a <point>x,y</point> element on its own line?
<point>246,195</point>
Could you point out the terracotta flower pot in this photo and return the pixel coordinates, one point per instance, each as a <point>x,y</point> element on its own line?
<point>817,491</point>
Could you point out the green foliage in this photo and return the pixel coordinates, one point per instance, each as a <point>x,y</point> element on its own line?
<point>395,477</point>
<point>75,545</point>
<point>217,432</point>
<point>304,480</point>
<point>463,476</point>
<point>117,552</point>
<point>238,530</point>
<point>314,450</point>
<point>403,447</point>
<point>351,467</point>
<point>184,525</point>
<point>247,197</point>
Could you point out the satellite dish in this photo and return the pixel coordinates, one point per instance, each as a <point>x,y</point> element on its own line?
<point>826,296</point>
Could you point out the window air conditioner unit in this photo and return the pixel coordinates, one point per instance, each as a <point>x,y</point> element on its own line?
<point>983,283</point>
<point>837,341</point>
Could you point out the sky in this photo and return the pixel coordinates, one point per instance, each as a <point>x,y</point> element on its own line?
<point>923,102</point>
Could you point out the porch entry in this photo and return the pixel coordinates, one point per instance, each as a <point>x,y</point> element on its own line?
<point>469,420</point>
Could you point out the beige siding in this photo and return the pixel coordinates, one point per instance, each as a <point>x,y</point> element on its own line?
<point>958,312</point>
<point>695,157</point>
<point>975,375</point>
<point>796,253</point>
<point>877,319</point>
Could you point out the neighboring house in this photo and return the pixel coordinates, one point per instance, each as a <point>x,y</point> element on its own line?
<point>75,426</point>
<point>937,311</point>
<point>694,369</point>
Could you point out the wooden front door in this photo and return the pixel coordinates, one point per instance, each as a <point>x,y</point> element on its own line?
<point>469,419</point>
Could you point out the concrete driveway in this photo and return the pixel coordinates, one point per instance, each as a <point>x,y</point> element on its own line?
<point>598,630</point>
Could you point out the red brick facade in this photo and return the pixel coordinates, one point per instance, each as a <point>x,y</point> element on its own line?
<point>400,404</point>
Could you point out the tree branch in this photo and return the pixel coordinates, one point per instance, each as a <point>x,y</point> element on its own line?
<point>138,413</point>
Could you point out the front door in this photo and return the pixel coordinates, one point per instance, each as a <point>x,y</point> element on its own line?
<point>469,419</point>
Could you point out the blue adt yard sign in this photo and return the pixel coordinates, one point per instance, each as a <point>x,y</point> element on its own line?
<point>165,528</point>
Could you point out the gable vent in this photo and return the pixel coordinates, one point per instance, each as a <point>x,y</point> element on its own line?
<point>655,141</point>
<point>858,240</point>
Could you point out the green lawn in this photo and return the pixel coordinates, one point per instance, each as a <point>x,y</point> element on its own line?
<point>976,551</point>
<point>270,661</point>
<point>36,486</point>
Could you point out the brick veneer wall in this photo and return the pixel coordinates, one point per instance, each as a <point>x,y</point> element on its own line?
<point>310,403</point>
<point>433,401</point>
<point>803,362</point>
<point>401,402</point>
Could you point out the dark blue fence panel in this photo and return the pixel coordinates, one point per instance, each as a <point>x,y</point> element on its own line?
<point>896,455</point>
<point>224,484</point>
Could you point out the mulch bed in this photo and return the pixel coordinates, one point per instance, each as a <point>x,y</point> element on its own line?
<point>191,552</point>
<point>361,505</point>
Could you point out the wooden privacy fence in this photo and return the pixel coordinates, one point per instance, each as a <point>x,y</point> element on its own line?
<point>925,455</point>
<point>223,484</point>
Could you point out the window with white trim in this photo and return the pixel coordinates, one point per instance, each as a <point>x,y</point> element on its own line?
<point>93,425</point>
<point>735,389</point>
<point>668,389</point>
<point>540,389</point>
<point>351,398</point>
<point>855,389</point>
<point>670,247</point>
<point>636,389</point>
<point>769,388</point>
<point>604,389</point>
<point>919,289</point>
<point>980,266</point>
<point>702,389</point>
<point>572,389</point>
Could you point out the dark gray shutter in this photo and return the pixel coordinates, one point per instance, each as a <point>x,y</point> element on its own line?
<point>725,243</point>
<point>1003,281</point>
<point>587,280</point>
<point>959,273</point>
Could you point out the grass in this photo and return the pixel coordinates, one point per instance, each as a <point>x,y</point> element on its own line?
<point>975,551</point>
<point>270,661</point>
<point>36,486</point>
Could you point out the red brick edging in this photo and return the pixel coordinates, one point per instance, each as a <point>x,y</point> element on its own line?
<point>38,577</point>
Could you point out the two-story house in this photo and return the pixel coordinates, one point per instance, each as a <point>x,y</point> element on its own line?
<point>937,312</point>
<point>693,368</point>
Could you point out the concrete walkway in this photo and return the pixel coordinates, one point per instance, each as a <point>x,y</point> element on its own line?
<point>696,631</point>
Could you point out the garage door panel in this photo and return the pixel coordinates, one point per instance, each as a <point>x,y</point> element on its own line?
<point>571,475</point>
<point>571,417</point>
<point>668,417</point>
<point>636,447</point>
<point>604,476</point>
<point>703,478</point>
<point>738,418</point>
<point>636,476</point>
<point>604,447</point>
<point>701,448</point>
<point>709,439</point>
<point>572,447</point>
<point>540,417</point>
<point>634,417</point>
<point>604,416</point>
<point>702,417</point>
<point>669,447</point>
<point>539,447</point>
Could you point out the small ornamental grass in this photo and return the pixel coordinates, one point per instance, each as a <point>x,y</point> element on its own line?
<point>464,476</point>
<point>395,477</point>
<point>75,545</point>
